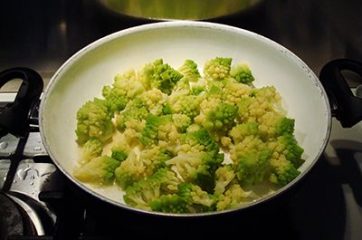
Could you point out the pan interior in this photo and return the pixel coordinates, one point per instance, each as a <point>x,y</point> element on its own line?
<point>82,77</point>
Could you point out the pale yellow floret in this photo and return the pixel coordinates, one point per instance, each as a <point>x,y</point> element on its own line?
<point>133,166</point>
<point>234,91</point>
<point>224,175</point>
<point>250,143</point>
<point>153,99</point>
<point>233,198</point>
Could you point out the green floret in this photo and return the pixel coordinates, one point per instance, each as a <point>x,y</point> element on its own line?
<point>196,90</point>
<point>160,75</point>
<point>135,110</point>
<point>198,168</point>
<point>91,149</point>
<point>130,170</point>
<point>285,126</point>
<point>242,73</point>
<point>240,131</point>
<point>189,71</point>
<point>185,104</point>
<point>232,198</point>
<point>252,167</point>
<point>114,98</point>
<point>283,172</point>
<point>181,121</point>
<point>98,171</point>
<point>171,203</point>
<point>143,192</point>
<point>221,118</point>
<point>223,175</point>
<point>201,141</point>
<point>189,198</point>
<point>125,87</point>
<point>196,199</point>
<point>138,166</point>
<point>217,68</point>
<point>288,146</point>
<point>150,133</point>
<point>94,121</point>
<point>119,155</point>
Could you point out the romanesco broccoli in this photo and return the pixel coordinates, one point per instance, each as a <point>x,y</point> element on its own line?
<point>283,171</point>
<point>160,75</point>
<point>99,171</point>
<point>242,73</point>
<point>189,71</point>
<point>91,149</point>
<point>188,141</point>
<point>141,193</point>
<point>94,121</point>
<point>217,68</point>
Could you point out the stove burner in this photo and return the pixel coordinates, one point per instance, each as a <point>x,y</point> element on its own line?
<point>13,219</point>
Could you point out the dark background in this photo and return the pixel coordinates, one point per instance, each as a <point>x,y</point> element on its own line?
<point>42,34</point>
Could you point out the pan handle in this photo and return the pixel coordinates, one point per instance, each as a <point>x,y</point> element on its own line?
<point>346,107</point>
<point>14,116</point>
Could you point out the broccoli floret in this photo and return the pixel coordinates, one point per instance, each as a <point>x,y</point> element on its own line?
<point>285,126</point>
<point>185,104</point>
<point>160,75</point>
<point>189,71</point>
<point>221,118</point>
<point>273,124</point>
<point>232,198</point>
<point>114,98</point>
<point>217,68</point>
<point>119,155</point>
<point>240,131</point>
<point>135,110</point>
<point>251,160</point>
<point>198,168</point>
<point>252,167</point>
<point>98,171</point>
<point>181,121</point>
<point>130,170</point>
<point>94,121</point>
<point>158,128</point>
<point>141,193</point>
<point>125,88</point>
<point>140,165</point>
<point>153,100</point>
<point>233,92</point>
<point>196,90</point>
<point>224,175</point>
<point>199,141</point>
<point>283,171</point>
<point>197,199</point>
<point>287,145</point>
<point>189,198</point>
<point>154,158</point>
<point>91,149</point>
<point>166,108</point>
<point>170,203</point>
<point>261,107</point>
<point>242,73</point>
